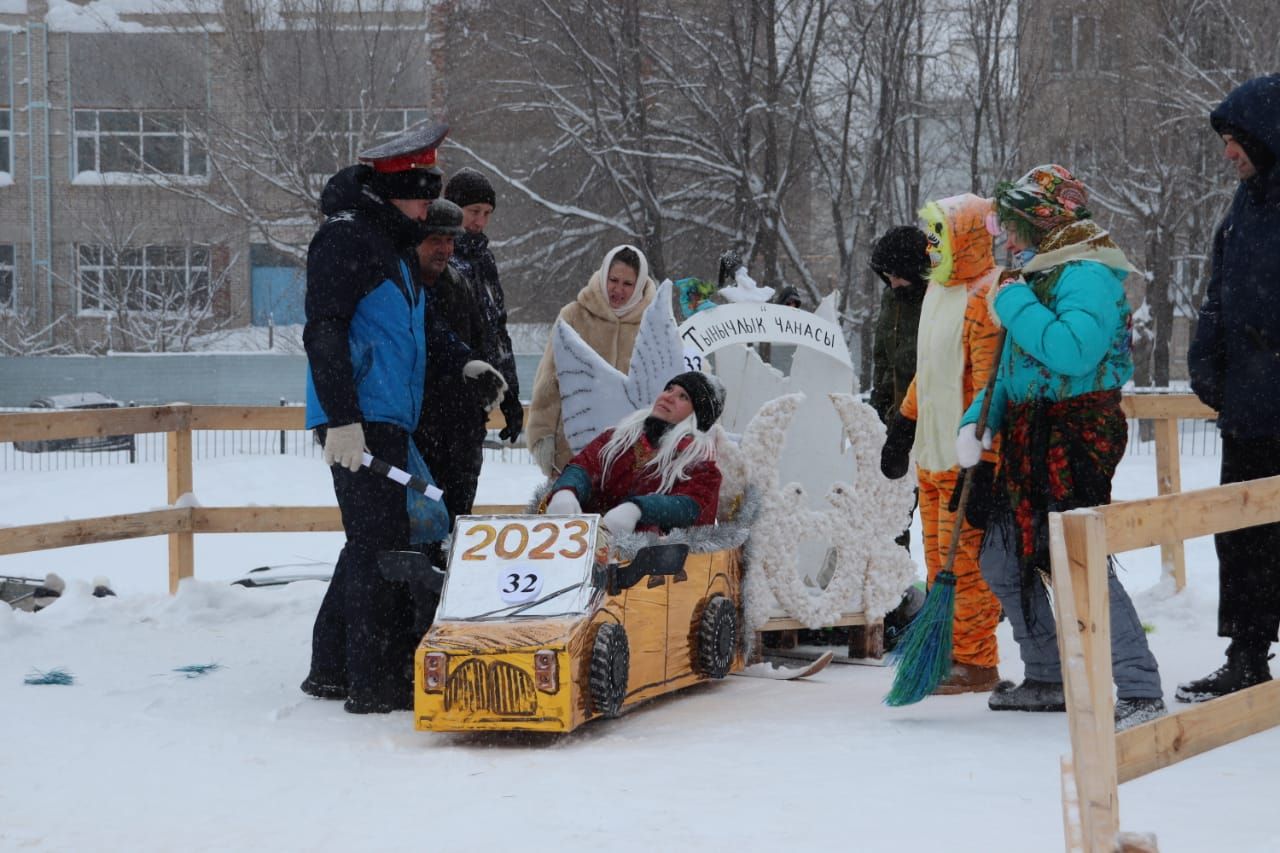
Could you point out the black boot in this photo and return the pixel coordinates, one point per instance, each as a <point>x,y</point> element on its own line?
<point>1030,695</point>
<point>1246,666</point>
<point>323,689</point>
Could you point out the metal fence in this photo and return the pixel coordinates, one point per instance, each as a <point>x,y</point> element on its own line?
<point>1198,438</point>
<point>206,444</point>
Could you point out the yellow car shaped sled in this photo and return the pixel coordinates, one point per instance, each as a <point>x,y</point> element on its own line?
<point>536,632</point>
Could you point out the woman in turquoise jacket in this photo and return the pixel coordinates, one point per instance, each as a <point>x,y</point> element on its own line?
<point>1056,404</point>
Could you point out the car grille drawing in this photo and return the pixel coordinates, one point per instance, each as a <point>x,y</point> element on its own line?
<point>499,687</point>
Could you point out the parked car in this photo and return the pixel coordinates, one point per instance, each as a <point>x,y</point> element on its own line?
<point>83,400</point>
<point>539,630</point>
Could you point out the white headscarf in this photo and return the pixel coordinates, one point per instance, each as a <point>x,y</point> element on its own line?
<point>641,277</point>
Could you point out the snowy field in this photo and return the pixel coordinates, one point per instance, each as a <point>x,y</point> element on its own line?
<point>136,757</point>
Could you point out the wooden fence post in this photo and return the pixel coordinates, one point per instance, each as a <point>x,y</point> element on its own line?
<point>1173,557</point>
<point>180,482</point>
<point>1084,642</point>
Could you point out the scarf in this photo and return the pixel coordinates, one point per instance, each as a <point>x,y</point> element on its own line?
<point>1055,456</point>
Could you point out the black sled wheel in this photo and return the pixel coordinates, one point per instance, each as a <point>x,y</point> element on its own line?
<point>717,637</point>
<point>610,663</point>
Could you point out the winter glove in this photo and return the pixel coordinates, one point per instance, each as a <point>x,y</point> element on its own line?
<point>513,412</point>
<point>622,519</point>
<point>895,456</point>
<point>344,445</point>
<point>544,454</point>
<point>488,383</point>
<point>564,502</point>
<point>968,448</point>
<point>977,508</point>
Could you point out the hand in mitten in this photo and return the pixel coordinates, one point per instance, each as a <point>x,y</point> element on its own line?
<point>968,448</point>
<point>543,452</point>
<point>486,382</point>
<point>344,445</point>
<point>977,508</point>
<point>564,502</point>
<point>622,518</point>
<point>513,413</point>
<point>895,456</point>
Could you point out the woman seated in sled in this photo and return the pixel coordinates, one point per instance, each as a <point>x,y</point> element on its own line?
<point>656,470</point>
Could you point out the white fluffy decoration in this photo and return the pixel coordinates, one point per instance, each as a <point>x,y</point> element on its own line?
<point>745,289</point>
<point>594,395</point>
<point>860,522</point>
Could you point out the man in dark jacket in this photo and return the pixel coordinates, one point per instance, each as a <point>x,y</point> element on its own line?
<point>901,259</point>
<point>471,191</point>
<point>451,432</point>
<point>366,338</point>
<point>1235,368</point>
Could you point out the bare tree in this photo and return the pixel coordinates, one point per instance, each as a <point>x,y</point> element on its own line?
<point>300,87</point>
<point>151,297</point>
<point>1157,170</point>
<point>676,126</point>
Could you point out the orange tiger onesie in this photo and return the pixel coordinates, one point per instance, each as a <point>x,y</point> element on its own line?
<point>955,354</point>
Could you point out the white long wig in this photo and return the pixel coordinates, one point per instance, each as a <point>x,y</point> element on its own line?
<point>670,462</point>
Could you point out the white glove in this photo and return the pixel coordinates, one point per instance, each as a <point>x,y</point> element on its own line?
<point>344,445</point>
<point>564,502</point>
<point>492,386</point>
<point>544,454</point>
<point>968,448</point>
<point>622,518</point>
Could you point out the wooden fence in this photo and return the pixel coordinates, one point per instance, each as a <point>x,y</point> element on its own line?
<point>179,523</point>
<point>1101,759</point>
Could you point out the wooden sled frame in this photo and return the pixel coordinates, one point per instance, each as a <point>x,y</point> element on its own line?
<point>1101,759</point>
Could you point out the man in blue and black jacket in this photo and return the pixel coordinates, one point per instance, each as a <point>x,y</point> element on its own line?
<point>368,338</point>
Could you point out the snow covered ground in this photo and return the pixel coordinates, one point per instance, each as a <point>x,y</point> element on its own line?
<point>137,757</point>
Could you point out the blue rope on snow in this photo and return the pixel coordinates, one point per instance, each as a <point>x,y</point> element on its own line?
<point>57,675</point>
<point>195,670</point>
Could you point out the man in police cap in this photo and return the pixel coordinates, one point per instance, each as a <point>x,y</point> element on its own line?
<point>367,338</point>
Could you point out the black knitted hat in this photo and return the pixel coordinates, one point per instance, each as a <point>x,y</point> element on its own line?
<point>467,186</point>
<point>705,392</point>
<point>902,251</point>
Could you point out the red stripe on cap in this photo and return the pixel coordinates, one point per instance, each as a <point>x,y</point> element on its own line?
<point>422,159</point>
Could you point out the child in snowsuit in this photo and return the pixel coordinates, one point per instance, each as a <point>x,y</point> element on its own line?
<point>955,354</point>
<point>1056,403</point>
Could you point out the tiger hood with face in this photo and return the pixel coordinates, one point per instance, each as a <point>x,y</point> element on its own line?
<point>960,243</point>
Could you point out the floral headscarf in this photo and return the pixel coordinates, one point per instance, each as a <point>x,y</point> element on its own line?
<point>1044,198</point>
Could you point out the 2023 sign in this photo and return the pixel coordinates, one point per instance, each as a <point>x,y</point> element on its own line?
<point>518,540</point>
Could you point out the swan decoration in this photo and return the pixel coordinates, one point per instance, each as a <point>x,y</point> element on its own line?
<point>594,395</point>
<point>858,523</point>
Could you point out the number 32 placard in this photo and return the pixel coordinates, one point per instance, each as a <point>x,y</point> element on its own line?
<point>513,560</point>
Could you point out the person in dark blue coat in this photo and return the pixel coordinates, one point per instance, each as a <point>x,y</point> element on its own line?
<point>1234,363</point>
<point>367,339</point>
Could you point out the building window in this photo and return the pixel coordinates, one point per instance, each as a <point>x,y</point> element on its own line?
<point>8,279</point>
<point>6,140</point>
<point>154,279</point>
<point>136,141</point>
<point>327,140</point>
<point>1076,44</point>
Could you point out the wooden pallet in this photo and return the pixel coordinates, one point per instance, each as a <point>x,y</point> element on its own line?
<point>866,638</point>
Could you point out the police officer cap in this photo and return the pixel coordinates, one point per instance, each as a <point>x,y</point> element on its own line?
<point>405,167</point>
<point>443,217</point>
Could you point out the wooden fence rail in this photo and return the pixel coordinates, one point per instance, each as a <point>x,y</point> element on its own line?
<point>179,523</point>
<point>179,420</point>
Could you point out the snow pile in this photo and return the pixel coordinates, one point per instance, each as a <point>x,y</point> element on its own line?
<point>137,756</point>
